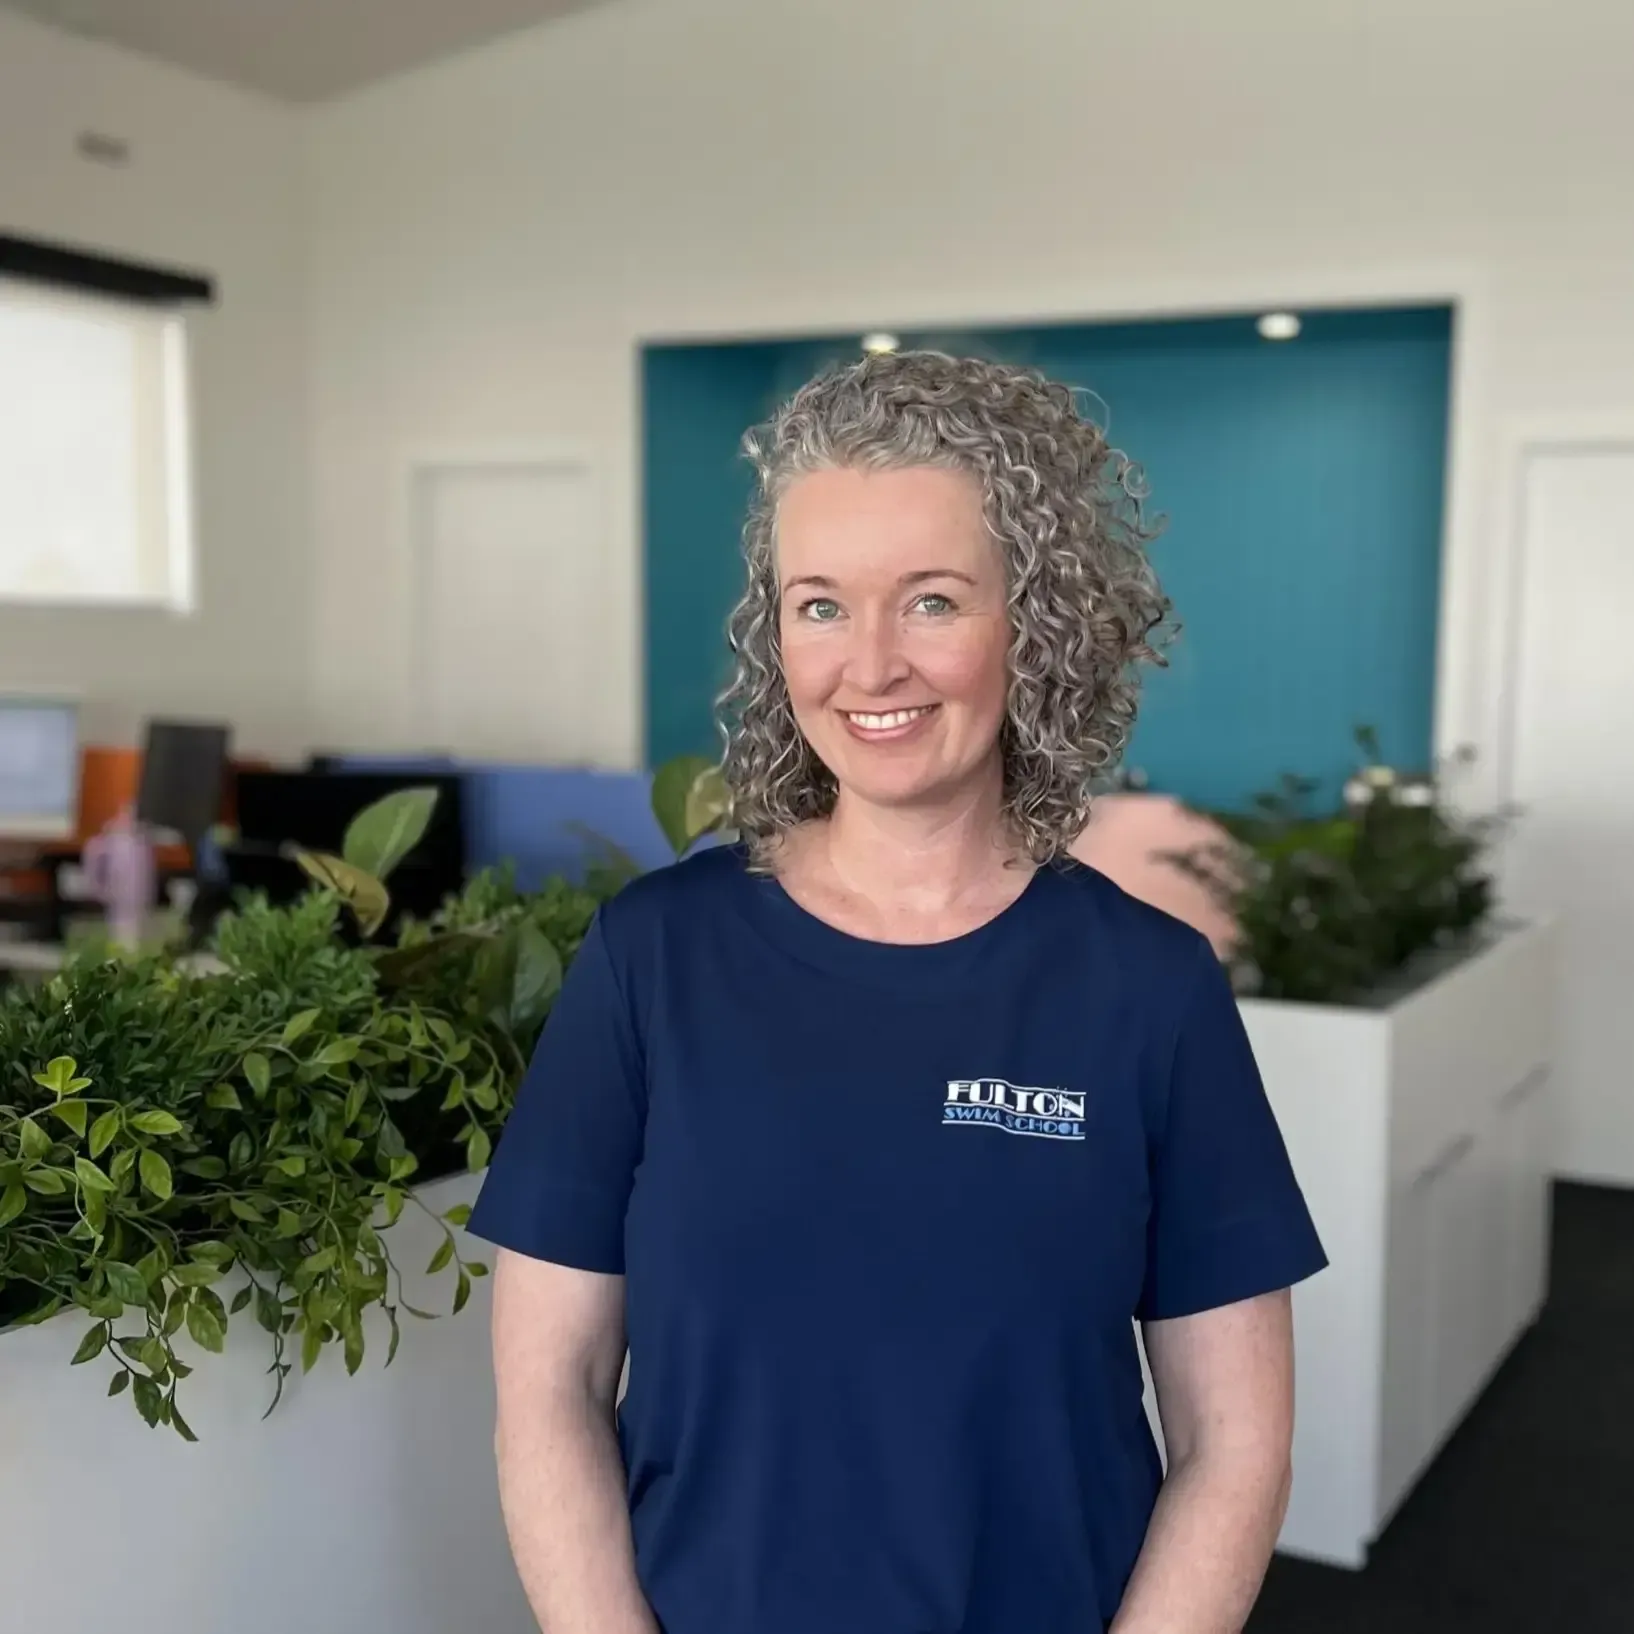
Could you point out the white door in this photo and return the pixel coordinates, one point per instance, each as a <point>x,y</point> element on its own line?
<point>1573,778</point>
<point>507,590</point>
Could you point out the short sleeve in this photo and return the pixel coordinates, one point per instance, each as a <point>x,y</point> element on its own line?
<point>561,1175</point>
<point>1228,1220</point>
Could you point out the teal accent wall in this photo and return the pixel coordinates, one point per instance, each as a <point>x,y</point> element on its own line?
<point>1300,485</point>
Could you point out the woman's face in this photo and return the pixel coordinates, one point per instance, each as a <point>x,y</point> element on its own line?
<point>894,630</point>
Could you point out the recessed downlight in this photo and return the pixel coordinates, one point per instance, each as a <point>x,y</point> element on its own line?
<point>881,340</point>
<point>1278,326</point>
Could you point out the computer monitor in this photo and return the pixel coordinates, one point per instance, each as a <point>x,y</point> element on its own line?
<point>39,767</point>
<point>184,768</point>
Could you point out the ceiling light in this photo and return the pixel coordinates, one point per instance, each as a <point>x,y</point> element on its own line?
<point>1278,326</point>
<point>881,340</point>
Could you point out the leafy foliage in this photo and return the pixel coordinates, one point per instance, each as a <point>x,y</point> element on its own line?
<point>1331,905</point>
<point>171,1134</point>
<point>690,799</point>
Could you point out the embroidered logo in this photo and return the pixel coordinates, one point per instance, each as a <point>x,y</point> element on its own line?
<point>1053,1114</point>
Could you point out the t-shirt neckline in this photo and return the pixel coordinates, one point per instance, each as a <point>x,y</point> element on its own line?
<point>902,965</point>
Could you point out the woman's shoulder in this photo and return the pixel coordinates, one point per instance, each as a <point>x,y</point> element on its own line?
<point>662,895</point>
<point>1143,934</point>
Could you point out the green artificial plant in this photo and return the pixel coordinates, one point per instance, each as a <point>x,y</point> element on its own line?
<point>182,1144</point>
<point>1331,906</point>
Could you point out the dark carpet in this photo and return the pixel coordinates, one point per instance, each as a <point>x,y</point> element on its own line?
<point>1525,1522</point>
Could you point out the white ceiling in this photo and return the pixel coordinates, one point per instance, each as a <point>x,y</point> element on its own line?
<point>300,50</point>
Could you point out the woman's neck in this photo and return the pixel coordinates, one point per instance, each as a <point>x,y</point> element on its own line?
<point>921,860</point>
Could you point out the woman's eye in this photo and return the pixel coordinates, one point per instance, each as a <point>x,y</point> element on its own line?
<point>820,610</point>
<point>935,604</point>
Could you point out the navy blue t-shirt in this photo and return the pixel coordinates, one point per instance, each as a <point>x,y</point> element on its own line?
<point>886,1214</point>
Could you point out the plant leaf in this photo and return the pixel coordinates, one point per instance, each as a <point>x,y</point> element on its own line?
<point>241,1299</point>
<point>355,1098</point>
<point>125,1283</point>
<point>74,1114</point>
<point>152,1354</point>
<point>445,1252</point>
<point>311,1346</point>
<point>92,1345</point>
<point>537,978</point>
<point>382,835</point>
<point>195,1276</point>
<point>149,1403</point>
<point>224,1098</point>
<point>671,789</point>
<point>156,1123</point>
<point>205,1327</point>
<point>258,1071</point>
<point>462,1292</point>
<point>268,1311</point>
<point>180,1424</point>
<point>479,1150</point>
<point>708,804</point>
<point>119,1383</point>
<point>352,1335</point>
<point>396,1334</point>
<point>365,895</point>
<point>155,1173</point>
<point>400,966</point>
<point>13,1200</point>
<point>323,1260</point>
<point>90,1176</point>
<point>47,1182</point>
<point>34,1142</point>
<point>103,1131</point>
<point>59,1076</point>
<point>459,1215</point>
<point>297,1025</point>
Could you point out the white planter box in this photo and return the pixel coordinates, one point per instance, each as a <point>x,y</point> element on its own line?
<point>1420,1134</point>
<point>364,1505</point>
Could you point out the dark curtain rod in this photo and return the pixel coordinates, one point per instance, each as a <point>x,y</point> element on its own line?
<point>70,268</point>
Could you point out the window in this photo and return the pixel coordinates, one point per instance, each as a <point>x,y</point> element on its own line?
<point>95,476</point>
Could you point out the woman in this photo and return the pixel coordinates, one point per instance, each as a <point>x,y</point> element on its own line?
<point>874,1134</point>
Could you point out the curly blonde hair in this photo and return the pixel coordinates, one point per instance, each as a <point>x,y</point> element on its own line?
<point>1085,606</point>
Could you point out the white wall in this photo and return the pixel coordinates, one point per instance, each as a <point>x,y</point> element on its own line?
<point>491,236</point>
<point>214,183</point>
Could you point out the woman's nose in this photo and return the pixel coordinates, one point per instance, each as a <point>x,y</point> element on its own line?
<point>875,660</point>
